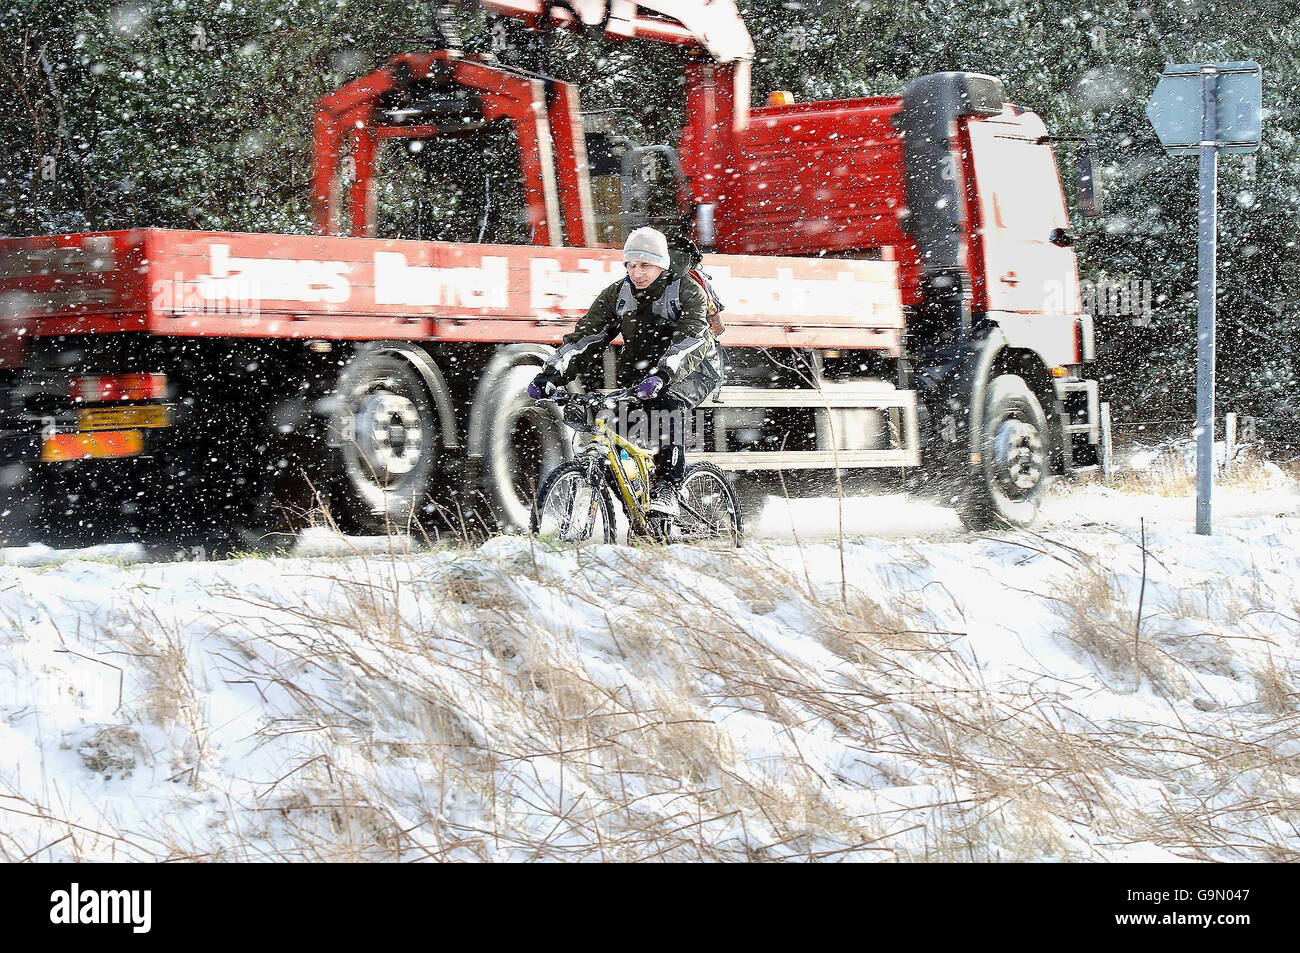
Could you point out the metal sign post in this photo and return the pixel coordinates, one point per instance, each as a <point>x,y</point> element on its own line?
<point>1207,234</point>
<point>1201,109</point>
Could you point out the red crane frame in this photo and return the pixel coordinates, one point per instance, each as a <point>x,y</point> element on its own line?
<point>543,112</point>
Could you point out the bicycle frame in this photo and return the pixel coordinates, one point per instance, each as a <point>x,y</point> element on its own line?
<point>610,443</point>
<point>604,450</point>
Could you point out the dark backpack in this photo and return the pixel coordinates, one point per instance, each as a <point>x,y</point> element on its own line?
<point>715,307</point>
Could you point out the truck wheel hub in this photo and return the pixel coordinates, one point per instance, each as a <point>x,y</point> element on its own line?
<point>389,434</point>
<point>1017,458</point>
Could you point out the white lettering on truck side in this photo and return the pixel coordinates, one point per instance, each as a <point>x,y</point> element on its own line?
<point>854,297</point>
<point>552,288</point>
<point>272,279</point>
<point>857,298</point>
<point>485,285</point>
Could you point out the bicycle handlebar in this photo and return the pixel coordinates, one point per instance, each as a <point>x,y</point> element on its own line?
<point>579,408</point>
<point>595,400</point>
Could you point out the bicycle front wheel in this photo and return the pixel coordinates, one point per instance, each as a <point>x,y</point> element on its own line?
<point>709,507</point>
<point>570,509</point>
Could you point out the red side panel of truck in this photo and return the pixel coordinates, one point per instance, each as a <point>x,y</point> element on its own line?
<point>50,284</point>
<point>293,286</point>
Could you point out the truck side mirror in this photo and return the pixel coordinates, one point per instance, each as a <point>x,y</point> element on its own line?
<point>1061,237</point>
<point>1088,194</point>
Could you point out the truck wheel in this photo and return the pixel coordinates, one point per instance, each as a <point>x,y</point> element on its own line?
<point>524,442</point>
<point>1007,487</point>
<point>387,438</point>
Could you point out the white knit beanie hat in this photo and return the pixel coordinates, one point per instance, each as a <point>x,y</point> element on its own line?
<point>649,245</point>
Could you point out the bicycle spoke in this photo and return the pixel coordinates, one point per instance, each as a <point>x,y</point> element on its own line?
<point>568,508</point>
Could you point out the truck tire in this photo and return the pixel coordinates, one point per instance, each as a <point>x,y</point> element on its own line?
<point>523,442</point>
<point>1005,489</point>
<point>386,439</point>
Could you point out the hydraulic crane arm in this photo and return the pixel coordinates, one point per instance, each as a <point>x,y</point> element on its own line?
<point>714,26</point>
<point>717,88</point>
<point>543,113</point>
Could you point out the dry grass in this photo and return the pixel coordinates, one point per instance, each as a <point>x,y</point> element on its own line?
<point>515,702</point>
<point>106,750</point>
<point>1100,620</point>
<point>168,695</point>
<point>1172,473</point>
<point>1277,693</point>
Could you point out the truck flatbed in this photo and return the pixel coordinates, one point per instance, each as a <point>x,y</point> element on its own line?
<point>169,282</point>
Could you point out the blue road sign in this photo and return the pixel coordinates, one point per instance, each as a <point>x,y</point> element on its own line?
<point>1232,91</point>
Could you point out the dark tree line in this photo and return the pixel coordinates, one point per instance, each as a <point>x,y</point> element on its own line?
<point>184,114</point>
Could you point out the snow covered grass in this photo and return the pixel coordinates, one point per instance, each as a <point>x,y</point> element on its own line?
<point>947,698</point>
<point>1168,468</point>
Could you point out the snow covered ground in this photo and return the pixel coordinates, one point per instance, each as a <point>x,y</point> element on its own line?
<point>913,693</point>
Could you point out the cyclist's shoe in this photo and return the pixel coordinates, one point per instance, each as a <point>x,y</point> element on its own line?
<point>663,529</point>
<point>663,502</point>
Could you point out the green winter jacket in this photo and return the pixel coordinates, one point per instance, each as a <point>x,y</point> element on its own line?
<point>664,334</point>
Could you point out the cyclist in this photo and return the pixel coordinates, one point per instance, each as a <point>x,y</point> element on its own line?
<point>670,355</point>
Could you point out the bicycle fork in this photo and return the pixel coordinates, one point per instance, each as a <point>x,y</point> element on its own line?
<point>594,486</point>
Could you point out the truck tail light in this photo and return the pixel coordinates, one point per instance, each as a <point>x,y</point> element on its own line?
<point>110,387</point>
<point>79,446</point>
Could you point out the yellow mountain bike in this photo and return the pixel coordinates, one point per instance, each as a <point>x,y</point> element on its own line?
<point>575,502</point>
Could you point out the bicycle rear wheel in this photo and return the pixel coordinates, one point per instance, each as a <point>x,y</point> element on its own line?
<point>570,509</point>
<point>709,507</point>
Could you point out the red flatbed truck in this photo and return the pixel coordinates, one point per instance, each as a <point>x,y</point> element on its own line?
<point>901,296</point>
